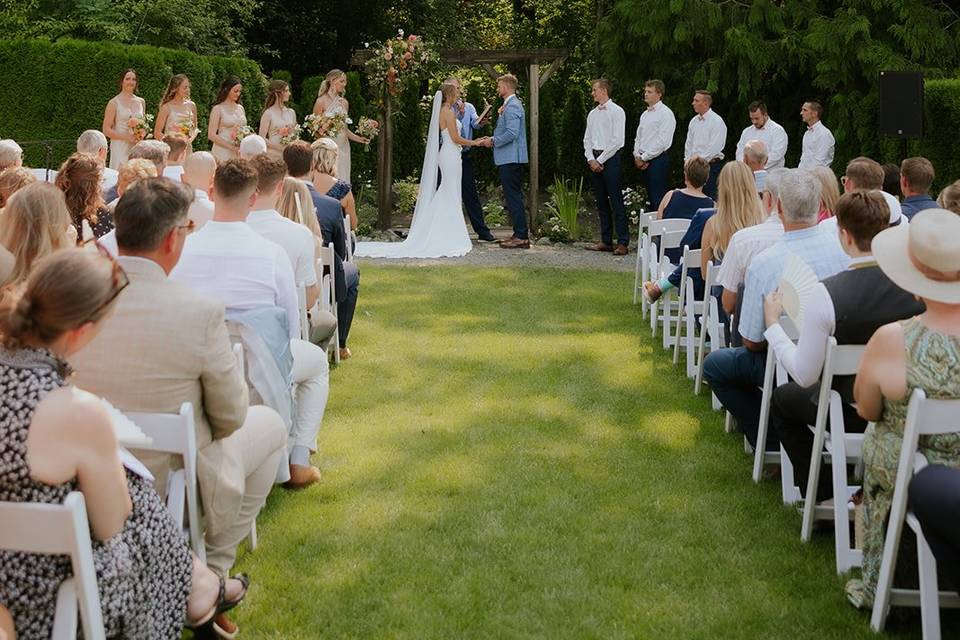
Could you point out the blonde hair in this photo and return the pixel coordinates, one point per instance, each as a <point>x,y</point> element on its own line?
<point>133,170</point>
<point>287,205</point>
<point>328,79</point>
<point>509,79</point>
<point>35,225</point>
<point>949,197</point>
<point>738,205</point>
<point>448,90</point>
<point>11,180</point>
<point>829,188</point>
<point>325,154</point>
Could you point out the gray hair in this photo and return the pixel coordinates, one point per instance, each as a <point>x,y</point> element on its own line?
<point>91,141</point>
<point>772,184</point>
<point>756,150</point>
<point>252,145</point>
<point>152,150</point>
<point>148,211</point>
<point>800,196</point>
<point>10,153</point>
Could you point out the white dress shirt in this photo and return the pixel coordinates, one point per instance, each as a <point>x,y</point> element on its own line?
<point>295,239</point>
<point>173,171</point>
<point>706,137</point>
<point>201,209</point>
<point>773,136</point>
<point>655,132</point>
<point>804,360</point>
<point>606,129</point>
<point>230,262</point>
<point>743,246</point>
<point>817,147</point>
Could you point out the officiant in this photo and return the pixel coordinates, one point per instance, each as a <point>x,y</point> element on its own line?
<point>469,120</point>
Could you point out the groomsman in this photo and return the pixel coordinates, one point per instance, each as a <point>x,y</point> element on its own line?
<point>764,129</point>
<point>653,141</point>
<point>469,120</point>
<point>602,141</point>
<point>817,141</point>
<point>706,137</point>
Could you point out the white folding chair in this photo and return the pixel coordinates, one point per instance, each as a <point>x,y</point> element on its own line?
<point>668,233</point>
<point>348,235</point>
<point>62,530</point>
<point>842,449</point>
<point>688,308</point>
<point>709,324</point>
<point>174,433</point>
<point>44,175</point>
<point>328,296</point>
<point>925,417</point>
<point>242,366</point>
<point>643,255</point>
<point>304,319</point>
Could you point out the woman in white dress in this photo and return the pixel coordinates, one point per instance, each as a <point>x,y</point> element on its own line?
<point>276,117</point>
<point>438,229</point>
<point>330,101</point>
<point>226,118</point>
<point>116,118</point>
<point>178,113</point>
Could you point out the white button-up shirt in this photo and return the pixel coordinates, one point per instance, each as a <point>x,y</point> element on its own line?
<point>606,129</point>
<point>773,136</point>
<point>201,209</point>
<point>818,145</point>
<point>743,246</point>
<point>295,239</point>
<point>706,137</point>
<point>232,263</point>
<point>655,132</point>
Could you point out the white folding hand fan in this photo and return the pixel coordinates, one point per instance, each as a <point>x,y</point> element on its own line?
<point>796,283</point>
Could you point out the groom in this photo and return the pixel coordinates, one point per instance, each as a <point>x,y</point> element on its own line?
<point>509,144</point>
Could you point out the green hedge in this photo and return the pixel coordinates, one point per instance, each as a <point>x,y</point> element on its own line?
<point>56,90</point>
<point>939,142</point>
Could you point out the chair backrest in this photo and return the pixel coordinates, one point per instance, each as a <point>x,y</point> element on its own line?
<point>659,227</point>
<point>327,262</point>
<point>671,239</point>
<point>44,175</point>
<point>711,276</point>
<point>842,360</point>
<point>348,234</point>
<point>304,319</point>
<point>58,529</point>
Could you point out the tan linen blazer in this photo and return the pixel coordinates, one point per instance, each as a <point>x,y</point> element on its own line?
<point>164,345</point>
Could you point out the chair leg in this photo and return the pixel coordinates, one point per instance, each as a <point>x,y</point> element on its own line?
<point>929,590</point>
<point>760,449</point>
<point>253,536</point>
<point>788,484</point>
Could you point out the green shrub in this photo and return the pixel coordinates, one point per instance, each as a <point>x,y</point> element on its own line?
<point>942,112</point>
<point>564,205</point>
<point>59,89</point>
<point>405,195</point>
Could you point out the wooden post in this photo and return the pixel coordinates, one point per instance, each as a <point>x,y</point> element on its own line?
<point>385,166</point>
<point>534,144</point>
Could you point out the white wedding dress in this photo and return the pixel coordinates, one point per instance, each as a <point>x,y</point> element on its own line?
<point>438,229</point>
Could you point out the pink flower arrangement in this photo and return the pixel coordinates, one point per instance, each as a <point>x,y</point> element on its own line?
<point>397,57</point>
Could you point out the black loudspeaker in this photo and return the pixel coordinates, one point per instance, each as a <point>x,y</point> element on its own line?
<point>901,104</point>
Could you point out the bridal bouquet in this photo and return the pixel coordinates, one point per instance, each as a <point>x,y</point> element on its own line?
<point>141,127</point>
<point>368,128</point>
<point>240,133</point>
<point>325,126</point>
<point>288,133</point>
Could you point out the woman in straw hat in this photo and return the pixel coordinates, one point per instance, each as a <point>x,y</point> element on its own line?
<point>921,352</point>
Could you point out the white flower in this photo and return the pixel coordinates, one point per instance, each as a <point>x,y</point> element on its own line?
<point>400,31</point>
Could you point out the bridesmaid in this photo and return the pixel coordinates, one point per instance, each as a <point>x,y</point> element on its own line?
<point>226,117</point>
<point>120,109</point>
<point>176,110</point>
<point>276,115</point>
<point>329,102</point>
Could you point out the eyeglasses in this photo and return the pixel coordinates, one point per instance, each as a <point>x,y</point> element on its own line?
<point>119,278</point>
<point>843,180</point>
<point>190,226</point>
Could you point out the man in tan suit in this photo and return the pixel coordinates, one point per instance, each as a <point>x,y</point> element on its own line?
<point>165,345</point>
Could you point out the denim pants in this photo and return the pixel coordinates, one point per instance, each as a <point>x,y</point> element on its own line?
<point>735,375</point>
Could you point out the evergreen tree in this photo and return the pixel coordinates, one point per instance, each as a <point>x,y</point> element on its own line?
<point>571,163</point>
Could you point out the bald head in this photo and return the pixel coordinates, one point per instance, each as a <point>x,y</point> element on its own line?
<point>198,170</point>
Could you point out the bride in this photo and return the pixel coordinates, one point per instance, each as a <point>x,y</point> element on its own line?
<point>437,229</point>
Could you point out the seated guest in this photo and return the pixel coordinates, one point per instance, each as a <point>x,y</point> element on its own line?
<point>35,224</point>
<point>935,501</point>
<point>179,146</point>
<point>252,145</point>
<point>13,179</point>
<point>850,306</point>
<point>891,180</point>
<point>228,261</point>
<point>131,171</point>
<point>684,202</point>
<point>949,198</point>
<point>916,176</point>
<point>862,174</point>
<point>165,345</point>
<point>735,374</point>
<point>93,141</point>
<point>198,170</point>
<point>326,181</point>
<point>829,191</point>
<point>55,439</point>
<point>300,160</point>
<point>11,155</point>
<point>922,257</point>
<point>755,157</point>
<point>738,207</point>
<point>152,150</point>
<point>79,178</point>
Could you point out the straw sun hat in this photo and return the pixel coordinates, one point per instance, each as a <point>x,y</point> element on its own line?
<point>923,257</point>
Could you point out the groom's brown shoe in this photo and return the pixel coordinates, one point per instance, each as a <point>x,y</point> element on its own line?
<point>600,246</point>
<point>515,243</point>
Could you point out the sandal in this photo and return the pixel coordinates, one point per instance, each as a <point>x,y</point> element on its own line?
<point>222,605</point>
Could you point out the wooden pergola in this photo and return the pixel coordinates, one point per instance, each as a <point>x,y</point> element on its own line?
<point>533,59</point>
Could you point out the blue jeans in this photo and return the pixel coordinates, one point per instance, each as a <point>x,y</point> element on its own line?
<point>735,375</point>
<point>608,190</point>
<point>511,177</point>
<point>347,306</point>
<point>657,175</point>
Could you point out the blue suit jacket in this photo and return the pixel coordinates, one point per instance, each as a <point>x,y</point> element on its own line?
<point>330,218</point>
<point>510,135</point>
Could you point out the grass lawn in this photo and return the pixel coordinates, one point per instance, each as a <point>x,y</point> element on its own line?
<point>509,455</point>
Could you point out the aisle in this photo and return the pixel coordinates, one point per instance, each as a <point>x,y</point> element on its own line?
<point>506,456</point>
